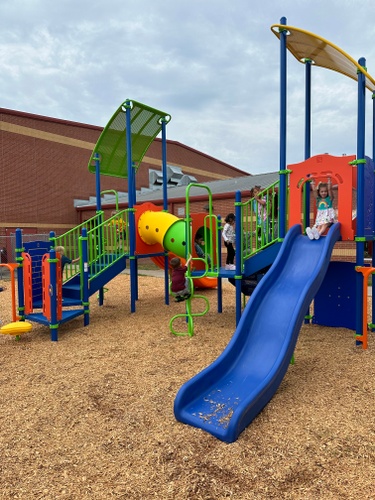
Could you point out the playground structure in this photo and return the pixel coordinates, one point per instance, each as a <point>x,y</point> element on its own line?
<point>226,396</point>
<point>106,246</point>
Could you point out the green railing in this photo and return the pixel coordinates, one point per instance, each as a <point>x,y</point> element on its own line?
<point>106,241</point>
<point>70,241</point>
<point>260,222</point>
<point>210,269</point>
<point>209,230</point>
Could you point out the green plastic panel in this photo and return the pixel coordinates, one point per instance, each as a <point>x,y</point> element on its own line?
<point>146,124</point>
<point>175,238</point>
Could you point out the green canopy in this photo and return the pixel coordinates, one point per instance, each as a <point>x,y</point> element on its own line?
<point>146,124</point>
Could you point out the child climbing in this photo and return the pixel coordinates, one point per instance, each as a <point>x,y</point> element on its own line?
<point>64,259</point>
<point>229,237</point>
<point>180,286</point>
<point>325,215</point>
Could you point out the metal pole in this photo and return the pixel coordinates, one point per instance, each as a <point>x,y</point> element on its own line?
<point>131,198</point>
<point>360,243</point>
<point>165,201</point>
<point>306,211</point>
<point>283,114</point>
<point>238,272</point>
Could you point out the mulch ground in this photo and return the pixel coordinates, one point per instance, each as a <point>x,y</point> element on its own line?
<point>91,416</point>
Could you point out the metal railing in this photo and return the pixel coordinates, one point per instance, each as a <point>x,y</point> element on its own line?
<point>106,240</point>
<point>260,222</point>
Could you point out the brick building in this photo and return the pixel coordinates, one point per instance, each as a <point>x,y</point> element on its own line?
<point>44,169</point>
<point>223,196</point>
<point>45,183</point>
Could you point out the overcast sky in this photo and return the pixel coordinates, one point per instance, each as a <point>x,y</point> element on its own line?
<point>213,65</point>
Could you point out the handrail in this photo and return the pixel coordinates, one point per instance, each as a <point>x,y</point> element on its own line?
<point>260,226</point>
<point>115,193</point>
<point>107,243</point>
<point>70,241</point>
<point>209,229</point>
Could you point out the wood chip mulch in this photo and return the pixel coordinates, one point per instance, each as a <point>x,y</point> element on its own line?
<point>91,416</point>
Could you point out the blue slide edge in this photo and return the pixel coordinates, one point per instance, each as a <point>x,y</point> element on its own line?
<point>225,397</point>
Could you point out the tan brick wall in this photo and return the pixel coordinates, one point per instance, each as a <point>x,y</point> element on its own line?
<point>44,167</point>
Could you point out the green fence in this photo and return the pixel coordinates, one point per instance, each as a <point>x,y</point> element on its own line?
<point>260,222</point>
<point>106,240</point>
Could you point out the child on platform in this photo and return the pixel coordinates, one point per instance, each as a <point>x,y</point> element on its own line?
<point>325,214</point>
<point>198,243</point>
<point>229,237</point>
<point>180,286</point>
<point>261,211</point>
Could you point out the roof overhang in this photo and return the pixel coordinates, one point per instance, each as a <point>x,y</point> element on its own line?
<point>306,46</point>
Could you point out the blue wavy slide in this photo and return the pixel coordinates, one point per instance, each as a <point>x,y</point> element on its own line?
<point>227,395</point>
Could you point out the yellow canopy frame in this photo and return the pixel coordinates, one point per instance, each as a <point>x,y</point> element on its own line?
<point>305,45</point>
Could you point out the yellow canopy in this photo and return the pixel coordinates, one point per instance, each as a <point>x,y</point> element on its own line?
<point>305,45</point>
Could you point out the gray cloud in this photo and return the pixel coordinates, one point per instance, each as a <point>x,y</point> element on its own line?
<point>213,65</point>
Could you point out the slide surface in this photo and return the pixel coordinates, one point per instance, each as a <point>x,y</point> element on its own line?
<point>227,395</point>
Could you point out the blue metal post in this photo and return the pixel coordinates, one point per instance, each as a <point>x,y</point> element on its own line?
<point>307,136</point>
<point>85,277</point>
<point>306,187</point>
<point>238,275</point>
<point>360,244</point>
<point>165,200</point>
<point>52,235</point>
<point>164,162</point>
<point>283,113</point>
<point>307,108</point>
<point>131,198</point>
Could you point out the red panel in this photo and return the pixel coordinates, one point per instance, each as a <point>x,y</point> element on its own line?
<point>320,167</point>
<point>27,283</point>
<point>46,281</point>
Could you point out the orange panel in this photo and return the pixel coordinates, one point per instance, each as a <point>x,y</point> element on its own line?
<point>320,167</point>
<point>27,283</point>
<point>46,280</point>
